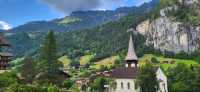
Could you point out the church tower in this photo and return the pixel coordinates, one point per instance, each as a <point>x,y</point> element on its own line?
<point>131,58</point>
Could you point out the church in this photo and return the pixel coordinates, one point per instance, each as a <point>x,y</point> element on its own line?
<point>125,77</point>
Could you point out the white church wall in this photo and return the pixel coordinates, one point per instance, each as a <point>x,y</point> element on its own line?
<point>161,77</point>
<point>126,85</point>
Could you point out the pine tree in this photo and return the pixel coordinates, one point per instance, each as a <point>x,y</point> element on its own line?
<point>49,65</point>
<point>49,48</point>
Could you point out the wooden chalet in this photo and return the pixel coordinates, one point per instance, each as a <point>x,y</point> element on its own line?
<point>5,57</point>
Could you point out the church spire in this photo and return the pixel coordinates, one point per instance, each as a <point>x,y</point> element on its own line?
<point>131,58</point>
<point>131,51</point>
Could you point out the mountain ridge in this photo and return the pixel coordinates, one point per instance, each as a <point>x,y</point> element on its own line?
<point>83,19</point>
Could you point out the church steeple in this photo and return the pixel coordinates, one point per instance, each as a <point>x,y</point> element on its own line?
<point>131,58</point>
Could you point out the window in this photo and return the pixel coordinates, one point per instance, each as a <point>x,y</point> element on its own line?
<point>128,85</point>
<point>164,87</point>
<point>115,85</point>
<point>122,85</point>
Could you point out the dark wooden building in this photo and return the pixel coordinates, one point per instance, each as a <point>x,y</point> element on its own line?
<point>5,56</point>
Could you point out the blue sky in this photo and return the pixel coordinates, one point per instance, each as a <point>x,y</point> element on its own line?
<point>17,12</point>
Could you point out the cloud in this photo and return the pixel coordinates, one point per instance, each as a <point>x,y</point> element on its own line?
<point>4,25</point>
<point>68,6</point>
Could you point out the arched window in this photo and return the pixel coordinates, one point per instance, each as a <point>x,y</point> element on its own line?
<point>122,85</point>
<point>164,87</point>
<point>128,85</point>
<point>115,85</point>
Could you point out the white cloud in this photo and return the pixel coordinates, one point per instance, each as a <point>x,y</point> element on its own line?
<point>68,6</point>
<point>4,25</point>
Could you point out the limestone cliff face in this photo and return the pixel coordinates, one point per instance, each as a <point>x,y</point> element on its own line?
<point>165,34</point>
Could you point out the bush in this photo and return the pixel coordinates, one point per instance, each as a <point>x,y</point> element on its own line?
<point>8,78</point>
<point>68,83</point>
<point>154,60</point>
<point>182,55</point>
<point>52,88</point>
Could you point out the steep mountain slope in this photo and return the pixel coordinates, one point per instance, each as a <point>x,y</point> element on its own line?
<point>176,28</point>
<point>102,41</point>
<point>83,19</point>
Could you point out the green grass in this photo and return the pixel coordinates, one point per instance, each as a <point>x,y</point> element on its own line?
<point>105,62</point>
<point>65,60</point>
<point>85,59</point>
<point>147,57</point>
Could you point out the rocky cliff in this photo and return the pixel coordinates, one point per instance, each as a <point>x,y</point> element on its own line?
<point>165,34</point>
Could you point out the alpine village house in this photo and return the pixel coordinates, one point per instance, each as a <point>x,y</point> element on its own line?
<point>5,57</point>
<point>125,77</point>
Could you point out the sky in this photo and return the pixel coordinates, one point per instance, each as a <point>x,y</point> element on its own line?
<point>17,12</point>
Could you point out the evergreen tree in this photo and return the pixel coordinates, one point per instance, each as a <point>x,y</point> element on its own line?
<point>49,65</point>
<point>147,78</point>
<point>49,48</point>
<point>28,70</point>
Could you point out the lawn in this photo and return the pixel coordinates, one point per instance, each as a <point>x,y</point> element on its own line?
<point>85,59</point>
<point>105,62</point>
<point>65,60</point>
<point>147,57</point>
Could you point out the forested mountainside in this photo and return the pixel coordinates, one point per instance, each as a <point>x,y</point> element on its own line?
<point>102,40</point>
<point>161,27</point>
<point>176,28</point>
<point>83,19</point>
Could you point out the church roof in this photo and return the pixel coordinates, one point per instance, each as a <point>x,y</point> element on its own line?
<point>131,51</point>
<point>124,72</point>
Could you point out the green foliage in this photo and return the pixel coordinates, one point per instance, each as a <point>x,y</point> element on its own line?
<point>32,88</point>
<point>49,48</point>
<point>52,88</point>
<point>179,87</point>
<point>28,70</point>
<point>147,78</point>
<point>118,63</point>
<point>103,68</point>
<point>74,89</point>
<point>98,84</point>
<point>8,78</point>
<point>75,64</point>
<point>24,88</point>
<point>181,55</point>
<point>188,14</point>
<point>154,60</point>
<point>180,76</point>
<point>165,3</point>
<point>68,84</point>
<point>49,66</point>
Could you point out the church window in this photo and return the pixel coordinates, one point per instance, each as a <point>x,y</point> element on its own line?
<point>128,85</point>
<point>164,87</point>
<point>122,85</point>
<point>115,85</point>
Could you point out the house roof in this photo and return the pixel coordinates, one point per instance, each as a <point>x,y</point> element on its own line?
<point>6,54</point>
<point>131,51</point>
<point>124,72</point>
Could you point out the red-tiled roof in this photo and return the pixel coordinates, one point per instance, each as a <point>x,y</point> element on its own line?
<point>129,73</point>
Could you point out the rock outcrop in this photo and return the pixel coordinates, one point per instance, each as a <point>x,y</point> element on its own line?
<point>165,34</point>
